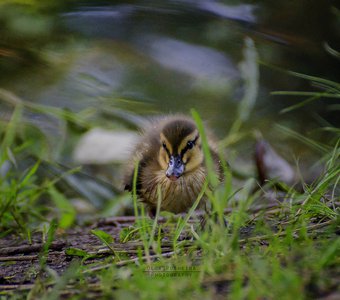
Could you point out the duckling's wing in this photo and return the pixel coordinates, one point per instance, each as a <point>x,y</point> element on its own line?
<point>128,180</point>
<point>128,186</point>
<point>217,162</point>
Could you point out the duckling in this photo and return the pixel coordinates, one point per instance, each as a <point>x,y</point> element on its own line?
<point>170,156</point>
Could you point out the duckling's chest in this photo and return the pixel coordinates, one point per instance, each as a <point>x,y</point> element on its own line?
<point>176,196</point>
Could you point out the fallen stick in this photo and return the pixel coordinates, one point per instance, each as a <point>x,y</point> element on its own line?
<point>19,258</point>
<point>128,261</point>
<point>20,287</point>
<point>58,245</point>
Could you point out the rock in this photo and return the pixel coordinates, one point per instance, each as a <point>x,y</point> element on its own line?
<point>271,166</point>
<point>101,146</point>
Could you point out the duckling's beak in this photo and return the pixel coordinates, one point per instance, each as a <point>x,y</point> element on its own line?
<point>175,168</point>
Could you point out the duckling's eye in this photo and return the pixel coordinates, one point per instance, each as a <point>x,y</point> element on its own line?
<point>190,144</point>
<point>165,148</point>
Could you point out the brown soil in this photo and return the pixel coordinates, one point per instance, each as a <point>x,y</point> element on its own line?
<point>20,261</point>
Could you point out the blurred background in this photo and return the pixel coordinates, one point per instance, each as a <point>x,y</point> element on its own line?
<point>92,70</point>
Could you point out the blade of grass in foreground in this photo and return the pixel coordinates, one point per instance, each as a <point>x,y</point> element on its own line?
<point>140,220</point>
<point>50,237</point>
<point>10,131</point>
<point>155,222</point>
<point>134,190</point>
<point>322,148</point>
<point>67,211</point>
<point>312,96</point>
<point>212,176</point>
<point>106,239</point>
<point>182,223</point>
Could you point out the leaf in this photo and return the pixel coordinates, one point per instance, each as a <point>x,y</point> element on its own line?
<point>50,237</point>
<point>11,129</point>
<point>103,236</point>
<point>250,73</point>
<point>322,148</point>
<point>29,175</point>
<point>129,233</point>
<point>67,211</point>
<point>330,254</point>
<point>181,224</point>
<point>212,176</point>
<point>79,253</point>
<point>76,252</point>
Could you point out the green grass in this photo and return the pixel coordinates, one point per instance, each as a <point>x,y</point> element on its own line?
<point>290,251</point>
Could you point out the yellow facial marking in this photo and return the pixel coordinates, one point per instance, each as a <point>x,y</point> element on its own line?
<point>166,142</point>
<point>192,158</point>
<point>188,138</point>
<point>163,156</point>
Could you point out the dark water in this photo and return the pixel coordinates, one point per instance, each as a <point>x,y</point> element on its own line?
<point>150,57</point>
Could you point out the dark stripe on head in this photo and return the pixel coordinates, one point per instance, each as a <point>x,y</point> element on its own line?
<point>189,146</point>
<point>166,149</point>
<point>177,130</point>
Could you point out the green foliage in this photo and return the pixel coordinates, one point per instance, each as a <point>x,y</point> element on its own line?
<point>76,252</point>
<point>212,177</point>
<point>20,196</point>
<point>330,89</point>
<point>129,234</point>
<point>50,237</point>
<point>242,253</point>
<point>66,209</point>
<point>276,260</point>
<point>22,191</point>
<point>105,238</point>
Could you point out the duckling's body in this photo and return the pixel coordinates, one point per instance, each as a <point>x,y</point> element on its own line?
<point>170,156</point>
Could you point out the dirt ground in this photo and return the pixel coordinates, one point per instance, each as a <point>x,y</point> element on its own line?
<point>20,261</point>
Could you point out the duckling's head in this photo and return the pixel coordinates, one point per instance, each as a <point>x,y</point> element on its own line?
<point>180,148</point>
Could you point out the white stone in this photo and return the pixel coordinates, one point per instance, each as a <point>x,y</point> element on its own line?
<point>101,146</point>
